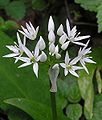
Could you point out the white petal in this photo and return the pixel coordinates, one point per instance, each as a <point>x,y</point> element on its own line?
<point>62,39</point>
<point>24,65</point>
<point>12,48</point>
<point>51,36</point>
<point>65,45</point>
<point>29,28</point>
<point>88,60</point>
<point>60,30</point>
<point>75,60</point>
<point>82,63</point>
<point>37,29</point>
<point>36,51</point>
<point>24,34</point>
<point>73,31</point>
<point>35,69</point>
<point>52,48</point>
<point>82,37</point>
<point>68,27</point>
<point>24,40</point>
<point>32,26</point>
<point>24,59</point>
<point>43,57</point>
<point>79,43</point>
<point>27,51</point>
<point>63,65</point>
<point>77,68</point>
<point>65,72</point>
<point>19,40</point>
<point>11,55</point>
<point>51,24</point>
<point>73,73</point>
<point>67,59</point>
<point>25,30</point>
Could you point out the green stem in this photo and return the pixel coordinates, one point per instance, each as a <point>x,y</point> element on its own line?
<point>53,105</point>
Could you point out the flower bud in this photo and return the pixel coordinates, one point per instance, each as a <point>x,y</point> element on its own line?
<point>41,43</point>
<point>60,30</point>
<point>52,48</point>
<point>51,36</point>
<point>50,24</point>
<point>43,57</point>
<point>62,39</point>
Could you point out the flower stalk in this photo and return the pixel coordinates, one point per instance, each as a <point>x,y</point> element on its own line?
<point>53,105</point>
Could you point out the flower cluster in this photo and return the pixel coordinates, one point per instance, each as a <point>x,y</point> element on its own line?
<point>21,52</point>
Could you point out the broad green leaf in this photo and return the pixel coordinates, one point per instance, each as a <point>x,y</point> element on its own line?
<point>35,109</point>
<point>22,83</point>
<point>4,3</point>
<point>16,9</point>
<point>74,111</point>
<point>39,4</point>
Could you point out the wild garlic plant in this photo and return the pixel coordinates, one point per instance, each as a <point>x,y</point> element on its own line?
<point>55,47</point>
<point>50,52</point>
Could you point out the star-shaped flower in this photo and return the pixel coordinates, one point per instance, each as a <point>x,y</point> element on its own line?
<point>69,66</point>
<point>71,36</point>
<point>17,48</point>
<point>30,32</point>
<point>84,58</point>
<point>32,58</point>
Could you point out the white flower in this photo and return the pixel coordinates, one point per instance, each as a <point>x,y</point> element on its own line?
<point>29,31</point>
<point>17,48</point>
<point>69,66</point>
<point>53,75</point>
<point>71,36</point>
<point>51,25</point>
<point>84,58</point>
<point>41,43</point>
<point>32,58</point>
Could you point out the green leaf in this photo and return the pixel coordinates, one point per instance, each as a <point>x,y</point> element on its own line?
<point>4,3</point>
<point>22,83</point>
<point>74,93</point>
<point>99,80</point>
<point>16,9</point>
<point>35,109</point>
<point>74,111</point>
<point>39,4</point>
<point>17,114</point>
<point>97,111</point>
<point>99,18</point>
<point>86,85</point>
<point>90,5</point>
